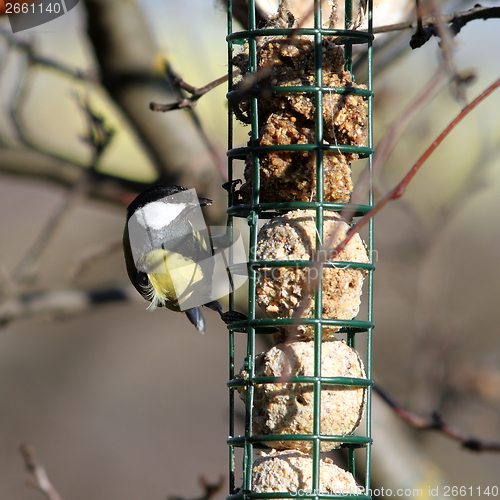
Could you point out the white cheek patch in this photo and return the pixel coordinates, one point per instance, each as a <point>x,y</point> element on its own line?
<point>157,215</point>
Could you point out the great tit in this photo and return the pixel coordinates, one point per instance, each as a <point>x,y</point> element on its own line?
<point>169,259</point>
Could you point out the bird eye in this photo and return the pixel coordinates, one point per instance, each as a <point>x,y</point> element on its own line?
<point>142,278</point>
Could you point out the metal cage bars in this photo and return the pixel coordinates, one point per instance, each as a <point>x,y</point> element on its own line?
<point>255,211</point>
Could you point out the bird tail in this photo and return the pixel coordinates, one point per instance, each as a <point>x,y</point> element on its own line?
<point>196,317</point>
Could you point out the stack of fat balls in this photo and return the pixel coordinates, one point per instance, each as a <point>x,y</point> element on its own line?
<point>290,119</point>
<point>287,408</point>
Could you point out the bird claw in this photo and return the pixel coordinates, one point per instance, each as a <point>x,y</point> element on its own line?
<point>229,316</point>
<point>230,185</point>
<point>233,316</point>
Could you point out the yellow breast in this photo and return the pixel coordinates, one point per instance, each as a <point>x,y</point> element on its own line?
<point>173,278</point>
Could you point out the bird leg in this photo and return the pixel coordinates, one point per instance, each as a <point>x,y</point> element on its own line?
<point>228,316</point>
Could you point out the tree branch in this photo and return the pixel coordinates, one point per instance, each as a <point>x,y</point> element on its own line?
<point>93,256</point>
<point>400,189</point>
<point>437,423</point>
<point>210,489</point>
<point>189,103</point>
<point>394,194</point>
<point>63,303</point>
<point>455,21</point>
<point>98,136</point>
<point>196,93</point>
<point>240,13</point>
<point>28,268</point>
<point>37,477</point>
<point>397,128</point>
<point>35,59</point>
<point>17,104</point>
<point>127,73</point>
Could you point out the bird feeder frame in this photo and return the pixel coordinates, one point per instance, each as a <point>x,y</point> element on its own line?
<point>255,211</point>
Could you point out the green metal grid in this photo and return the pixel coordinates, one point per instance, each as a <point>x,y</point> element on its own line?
<point>255,211</point>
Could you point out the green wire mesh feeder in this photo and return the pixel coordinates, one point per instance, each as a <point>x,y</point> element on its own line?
<point>264,93</point>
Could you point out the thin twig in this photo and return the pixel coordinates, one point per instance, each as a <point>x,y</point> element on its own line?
<point>188,102</point>
<point>400,189</point>
<point>240,13</point>
<point>66,171</point>
<point>23,89</point>
<point>420,15</point>
<point>209,489</point>
<point>397,128</point>
<point>437,423</point>
<point>34,59</point>
<point>445,34</point>
<point>99,133</point>
<point>387,144</point>
<point>114,191</point>
<point>28,267</point>
<point>63,303</point>
<point>99,137</point>
<point>182,85</point>
<point>37,477</point>
<point>244,86</point>
<point>456,20</point>
<point>397,192</point>
<point>93,256</point>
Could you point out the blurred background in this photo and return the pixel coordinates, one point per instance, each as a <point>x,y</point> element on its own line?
<point>119,402</point>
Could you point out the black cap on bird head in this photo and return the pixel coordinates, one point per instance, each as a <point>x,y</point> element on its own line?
<point>156,193</point>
